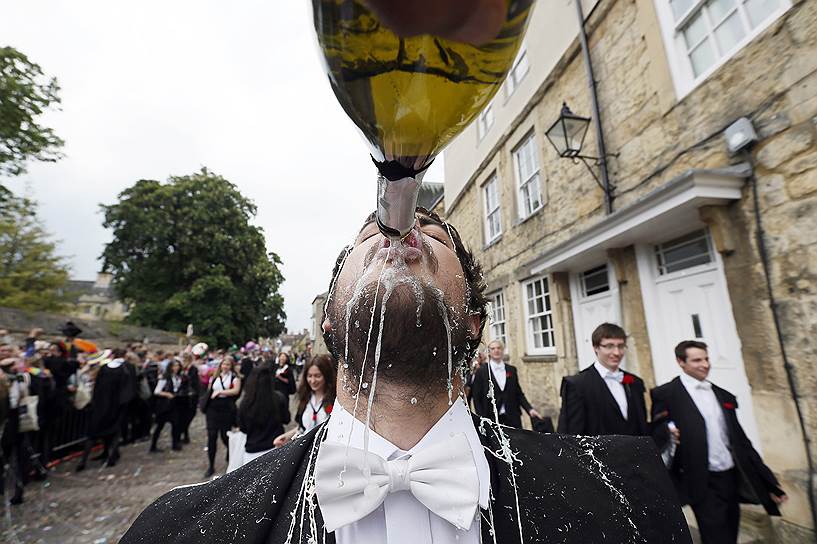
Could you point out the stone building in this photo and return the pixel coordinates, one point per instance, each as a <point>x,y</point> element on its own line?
<point>678,257</point>
<point>95,300</point>
<point>318,345</point>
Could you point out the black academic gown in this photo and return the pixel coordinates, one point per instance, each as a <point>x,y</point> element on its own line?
<point>588,407</point>
<point>570,490</point>
<point>110,389</point>
<point>512,397</point>
<point>690,467</point>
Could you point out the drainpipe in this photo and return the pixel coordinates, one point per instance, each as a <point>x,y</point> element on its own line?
<point>591,83</point>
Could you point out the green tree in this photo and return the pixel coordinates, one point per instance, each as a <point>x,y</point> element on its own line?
<point>32,276</point>
<point>25,93</point>
<point>185,252</point>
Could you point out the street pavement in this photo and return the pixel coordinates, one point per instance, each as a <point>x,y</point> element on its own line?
<point>98,505</point>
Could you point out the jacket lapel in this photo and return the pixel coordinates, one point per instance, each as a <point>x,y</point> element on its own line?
<point>603,392</point>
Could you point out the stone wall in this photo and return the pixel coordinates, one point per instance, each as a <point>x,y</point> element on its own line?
<point>773,82</point>
<point>106,334</point>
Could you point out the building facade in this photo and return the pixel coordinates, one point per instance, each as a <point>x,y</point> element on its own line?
<point>679,256</point>
<point>96,300</point>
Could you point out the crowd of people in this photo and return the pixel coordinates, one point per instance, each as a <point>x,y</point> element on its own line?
<point>66,396</point>
<point>133,394</point>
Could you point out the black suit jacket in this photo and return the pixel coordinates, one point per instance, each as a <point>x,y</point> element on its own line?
<point>512,396</point>
<point>570,490</point>
<point>690,466</point>
<point>588,407</point>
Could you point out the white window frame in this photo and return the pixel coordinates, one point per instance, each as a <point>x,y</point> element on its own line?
<point>492,209</point>
<point>521,67</point>
<point>485,120</point>
<point>530,318</point>
<point>680,64</point>
<point>663,275</point>
<point>532,182</point>
<point>582,281</point>
<point>498,328</point>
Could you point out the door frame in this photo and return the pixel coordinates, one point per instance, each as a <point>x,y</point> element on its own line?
<point>648,273</point>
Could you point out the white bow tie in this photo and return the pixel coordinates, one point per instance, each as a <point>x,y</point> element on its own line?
<point>443,477</point>
<point>706,386</point>
<point>617,376</point>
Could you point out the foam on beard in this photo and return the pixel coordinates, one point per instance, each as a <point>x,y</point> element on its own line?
<point>414,345</point>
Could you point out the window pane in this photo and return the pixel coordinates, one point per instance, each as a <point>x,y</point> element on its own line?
<point>730,33</point>
<point>596,281</point>
<point>684,252</point>
<point>536,201</point>
<point>759,10</point>
<point>718,9</point>
<point>680,7</point>
<point>695,31</point>
<point>702,57</point>
<point>521,67</point>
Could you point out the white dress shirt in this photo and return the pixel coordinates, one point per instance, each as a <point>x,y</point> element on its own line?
<point>613,382</point>
<point>717,437</point>
<point>316,408</point>
<point>402,519</point>
<point>160,385</point>
<point>501,377</point>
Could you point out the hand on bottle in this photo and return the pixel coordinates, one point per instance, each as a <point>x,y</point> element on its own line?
<point>470,21</point>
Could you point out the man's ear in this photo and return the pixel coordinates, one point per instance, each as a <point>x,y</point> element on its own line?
<point>474,326</point>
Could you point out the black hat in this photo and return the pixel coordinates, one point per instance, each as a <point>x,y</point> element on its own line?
<point>70,330</point>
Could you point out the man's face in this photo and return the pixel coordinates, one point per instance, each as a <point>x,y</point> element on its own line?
<point>422,281</point>
<point>496,350</point>
<point>427,253</point>
<point>696,364</point>
<point>610,352</point>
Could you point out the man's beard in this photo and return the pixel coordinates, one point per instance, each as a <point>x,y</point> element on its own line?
<point>414,346</point>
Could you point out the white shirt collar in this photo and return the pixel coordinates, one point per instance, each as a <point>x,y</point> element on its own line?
<point>456,420</point>
<point>498,365</point>
<point>693,383</point>
<point>604,371</point>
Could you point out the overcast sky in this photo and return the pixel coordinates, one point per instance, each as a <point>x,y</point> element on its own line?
<point>155,88</point>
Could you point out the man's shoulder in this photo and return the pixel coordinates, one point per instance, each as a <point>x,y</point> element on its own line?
<point>665,389</point>
<point>724,394</point>
<point>243,502</point>
<point>580,378</point>
<point>615,477</point>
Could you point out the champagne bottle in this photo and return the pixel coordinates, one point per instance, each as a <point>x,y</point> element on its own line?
<point>409,96</point>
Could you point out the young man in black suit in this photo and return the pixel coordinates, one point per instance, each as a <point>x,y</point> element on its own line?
<point>508,396</point>
<point>714,465</point>
<point>603,399</point>
<point>401,459</point>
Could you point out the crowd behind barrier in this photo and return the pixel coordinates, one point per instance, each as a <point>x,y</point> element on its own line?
<point>65,399</point>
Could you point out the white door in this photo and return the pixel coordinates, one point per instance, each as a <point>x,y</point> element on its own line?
<point>686,298</point>
<point>596,300</point>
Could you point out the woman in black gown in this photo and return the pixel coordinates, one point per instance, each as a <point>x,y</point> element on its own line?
<point>262,414</point>
<point>223,391</point>
<point>167,407</point>
<point>284,376</point>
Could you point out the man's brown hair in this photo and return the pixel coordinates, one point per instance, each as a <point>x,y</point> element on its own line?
<point>607,330</point>
<point>681,348</point>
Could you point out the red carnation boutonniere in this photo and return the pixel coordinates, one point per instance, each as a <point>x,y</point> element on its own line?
<point>729,405</point>
<point>628,379</point>
<point>328,409</point>
<point>508,374</point>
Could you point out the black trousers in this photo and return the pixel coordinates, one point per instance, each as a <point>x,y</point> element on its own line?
<point>169,416</point>
<point>718,514</point>
<point>187,411</point>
